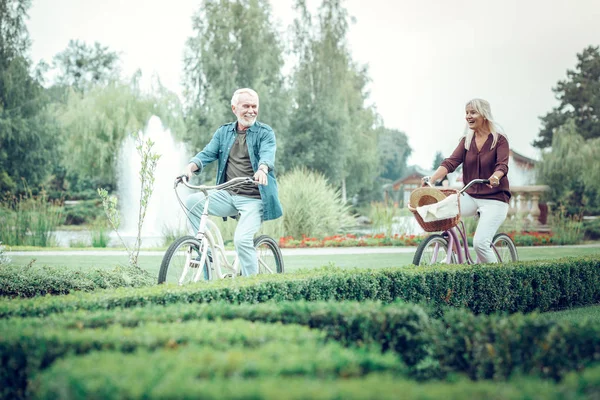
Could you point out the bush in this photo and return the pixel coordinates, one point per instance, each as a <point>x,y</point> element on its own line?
<point>29,220</point>
<point>217,349</point>
<point>514,287</point>
<point>591,229</point>
<point>311,207</point>
<point>483,347</point>
<point>31,281</point>
<point>82,212</point>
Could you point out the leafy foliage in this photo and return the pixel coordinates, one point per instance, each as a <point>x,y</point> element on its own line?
<point>312,206</point>
<point>95,123</point>
<point>333,127</point>
<point>81,66</point>
<point>439,157</point>
<point>235,46</point>
<point>572,171</point>
<point>394,151</point>
<point>579,97</point>
<point>27,132</point>
<point>148,161</point>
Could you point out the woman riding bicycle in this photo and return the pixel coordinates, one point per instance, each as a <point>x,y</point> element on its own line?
<point>483,151</point>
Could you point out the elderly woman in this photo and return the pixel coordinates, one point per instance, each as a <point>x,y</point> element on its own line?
<point>483,151</point>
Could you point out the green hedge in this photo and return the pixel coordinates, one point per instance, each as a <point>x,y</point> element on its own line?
<point>483,347</point>
<point>31,281</point>
<point>28,347</point>
<point>119,376</point>
<point>518,287</point>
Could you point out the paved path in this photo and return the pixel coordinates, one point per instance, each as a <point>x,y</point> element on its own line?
<point>286,252</point>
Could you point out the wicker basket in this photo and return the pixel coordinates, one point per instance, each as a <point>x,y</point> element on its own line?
<point>443,224</point>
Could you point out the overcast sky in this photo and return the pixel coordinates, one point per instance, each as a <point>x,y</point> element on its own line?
<point>426,58</point>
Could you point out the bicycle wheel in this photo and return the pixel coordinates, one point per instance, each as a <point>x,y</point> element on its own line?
<point>504,248</point>
<point>270,259</point>
<point>181,262</point>
<point>433,250</point>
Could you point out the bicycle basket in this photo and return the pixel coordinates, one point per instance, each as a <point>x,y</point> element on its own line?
<point>431,196</point>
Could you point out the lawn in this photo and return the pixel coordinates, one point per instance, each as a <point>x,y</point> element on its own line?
<point>151,263</point>
<point>591,313</point>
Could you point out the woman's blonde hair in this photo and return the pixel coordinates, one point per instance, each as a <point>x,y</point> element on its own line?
<point>483,108</point>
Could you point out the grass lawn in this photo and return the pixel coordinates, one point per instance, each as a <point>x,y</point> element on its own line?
<point>574,314</point>
<point>292,263</point>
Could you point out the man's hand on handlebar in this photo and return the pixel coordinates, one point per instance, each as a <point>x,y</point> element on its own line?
<point>260,177</point>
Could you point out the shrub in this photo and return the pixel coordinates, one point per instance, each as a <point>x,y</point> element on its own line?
<point>82,212</point>
<point>514,287</point>
<point>29,220</point>
<point>591,229</point>
<point>4,259</point>
<point>31,281</point>
<point>311,206</point>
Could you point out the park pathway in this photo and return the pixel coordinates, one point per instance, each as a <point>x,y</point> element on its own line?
<point>286,252</point>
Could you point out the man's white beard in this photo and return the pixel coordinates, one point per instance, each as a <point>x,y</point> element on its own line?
<point>245,123</point>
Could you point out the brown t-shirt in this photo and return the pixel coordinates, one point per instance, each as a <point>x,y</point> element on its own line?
<point>239,165</point>
<point>481,165</point>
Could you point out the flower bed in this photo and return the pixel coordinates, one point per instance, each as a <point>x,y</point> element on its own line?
<point>350,240</point>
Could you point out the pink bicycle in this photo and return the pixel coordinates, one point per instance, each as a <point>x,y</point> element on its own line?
<point>450,246</point>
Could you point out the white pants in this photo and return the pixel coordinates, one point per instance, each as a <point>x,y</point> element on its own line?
<point>491,215</point>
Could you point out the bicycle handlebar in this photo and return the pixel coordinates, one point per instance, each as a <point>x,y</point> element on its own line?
<point>234,182</point>
<point>468,185</point>
<point>474,181</point>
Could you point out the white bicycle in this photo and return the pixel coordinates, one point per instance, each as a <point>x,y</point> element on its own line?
<point>192,258</point>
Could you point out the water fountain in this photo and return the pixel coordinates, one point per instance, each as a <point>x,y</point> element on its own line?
<point>164,215</point>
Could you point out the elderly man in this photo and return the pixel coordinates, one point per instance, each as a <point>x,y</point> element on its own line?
<point>244,148</point>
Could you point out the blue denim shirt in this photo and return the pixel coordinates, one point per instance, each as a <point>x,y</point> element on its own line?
<point>261,149</point>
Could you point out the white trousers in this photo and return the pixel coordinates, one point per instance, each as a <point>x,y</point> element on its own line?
<point>492,214</point>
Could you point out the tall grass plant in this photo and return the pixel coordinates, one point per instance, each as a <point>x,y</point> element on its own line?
<point>311,207</point>
<point>566,229</point>
<point>382,217</point>
<point>29,220</point>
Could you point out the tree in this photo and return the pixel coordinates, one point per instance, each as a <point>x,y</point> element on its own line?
<point>579,97</point>
<point>27,131</point>
<point>235,45</point>
<point>437,160</point>
<point>333,128</point>
<point>571,170</point>
<point>81,66</point>
<point>95,123</point>
<point>394,151</point>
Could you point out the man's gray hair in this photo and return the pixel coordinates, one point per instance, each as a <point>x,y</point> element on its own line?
<point>237,93</point>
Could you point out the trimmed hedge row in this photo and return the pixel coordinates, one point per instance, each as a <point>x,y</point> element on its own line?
<point>517,287</point>
<point>119,376</point>
<point>484,347</point>
<point>28,348</point>
<point>31,281</point>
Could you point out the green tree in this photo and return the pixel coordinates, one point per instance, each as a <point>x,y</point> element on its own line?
<point>95,123</point>
<point>81,66</point>
<point>235,45</point>
<point>572,171</point>
<point>579,97</point>
<point>394,151</point>
<point>333,130</point>
<point>437,160</point>
<point>27,130</point>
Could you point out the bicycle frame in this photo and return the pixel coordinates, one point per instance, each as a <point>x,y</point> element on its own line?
<point>457,237</point>
<point>210,237</point>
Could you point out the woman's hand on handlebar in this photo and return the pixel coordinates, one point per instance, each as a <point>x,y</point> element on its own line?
<point>426,181</point>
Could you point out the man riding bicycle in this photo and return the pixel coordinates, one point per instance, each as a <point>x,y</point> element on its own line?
<point>242,148</point>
